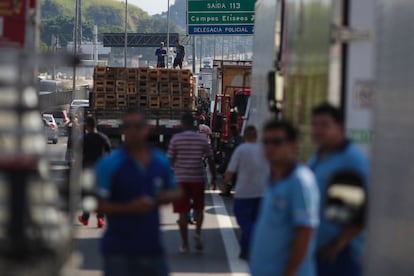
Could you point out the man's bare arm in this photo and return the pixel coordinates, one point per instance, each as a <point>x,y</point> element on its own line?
<point>300,244</point>
<point>141,205</point>
<point>166,197</point>
<point>332,250</point>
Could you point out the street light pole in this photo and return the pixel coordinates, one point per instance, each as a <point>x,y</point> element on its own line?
<point>126,34</point>
<point>168,33</point>
<point>75,46</point>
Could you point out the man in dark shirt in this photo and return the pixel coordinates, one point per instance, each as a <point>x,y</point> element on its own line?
<point>133,181</point>
<point>95,145</point>
<point>180,53</point>
<point>161,53</point>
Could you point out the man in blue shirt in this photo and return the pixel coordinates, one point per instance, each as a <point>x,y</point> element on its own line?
<point>132,181</point>
<point>161,53</point>
<point>338,247</point>
<point>283,241</point>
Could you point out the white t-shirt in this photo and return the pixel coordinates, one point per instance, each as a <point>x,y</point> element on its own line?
<point>249,163</point>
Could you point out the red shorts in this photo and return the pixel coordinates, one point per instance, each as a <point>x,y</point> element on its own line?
<point>193,197</point>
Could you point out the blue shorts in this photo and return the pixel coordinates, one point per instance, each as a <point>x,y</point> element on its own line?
<point>119,265</point>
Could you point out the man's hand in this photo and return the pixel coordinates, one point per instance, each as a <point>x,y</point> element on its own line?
<point>331,251</point>
<point>142,205</point>
<point>335,247</point>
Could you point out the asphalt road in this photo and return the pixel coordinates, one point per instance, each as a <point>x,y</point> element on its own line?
<point>220,256</point>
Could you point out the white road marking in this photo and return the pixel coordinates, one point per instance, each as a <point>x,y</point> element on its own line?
<point>231,245</point>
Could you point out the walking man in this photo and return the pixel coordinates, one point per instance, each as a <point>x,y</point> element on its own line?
<point>132,182</point>
<point>283,242</point>
<point>186,151</point>
<point>180,53</point>
<point>73,130</point>
<point>338,247</point>
<point>94,145</point>
<point>161,53</point>
<point>235,141</point>
<point>251,168</point>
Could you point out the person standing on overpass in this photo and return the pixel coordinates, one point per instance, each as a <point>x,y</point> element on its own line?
<point>161,53</point>
<point>249,164</point>
<point>339,248</point>
<point>94,145</point>
<point>283,242</point>
<point>186,152</point>
<point>180,53</point>
<point>132,182</point>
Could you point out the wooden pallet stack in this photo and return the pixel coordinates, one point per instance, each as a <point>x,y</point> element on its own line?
<point>120,88</point>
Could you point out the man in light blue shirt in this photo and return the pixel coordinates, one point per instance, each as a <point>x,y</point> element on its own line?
<point>283,242</point>
<point>338,247</point>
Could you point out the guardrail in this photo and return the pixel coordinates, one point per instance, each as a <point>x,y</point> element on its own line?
<point>61,98</point>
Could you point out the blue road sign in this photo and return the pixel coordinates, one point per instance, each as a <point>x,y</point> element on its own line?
<point>221,30</point>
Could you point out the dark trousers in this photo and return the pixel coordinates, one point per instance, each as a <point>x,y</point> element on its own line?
<point>118,265</point>
<point>344,265</point>
<point>86,215</point>
<point>246,211</point>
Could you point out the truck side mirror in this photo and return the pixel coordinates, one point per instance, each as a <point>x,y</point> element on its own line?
<point>346,199</point>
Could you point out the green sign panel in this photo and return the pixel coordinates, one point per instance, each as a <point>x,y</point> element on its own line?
<point>227,17</point>
<point>214,6</point>
<point>221,18</point>
<point>360,136</point>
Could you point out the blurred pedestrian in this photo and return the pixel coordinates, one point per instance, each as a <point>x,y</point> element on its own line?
<point>180,53</point>
<point>249,164</point>
<point>235,141</point>
<point>338,247</point>
<point>74,131</point>
<point>132,182</point>
<point>186,151</point>
<point>283,242</point>
<point>93,145</point>
<point>205,129</point>
<point>161,53</point>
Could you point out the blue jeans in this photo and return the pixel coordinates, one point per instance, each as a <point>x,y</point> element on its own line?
<point>344,265</point>
<point>120,265</point>
<point>246,211</point>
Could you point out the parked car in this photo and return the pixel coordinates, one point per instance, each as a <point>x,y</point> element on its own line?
<point>77,104</point>
<point>50,119</point>
<point>61,118</point>
<point>51,131</point>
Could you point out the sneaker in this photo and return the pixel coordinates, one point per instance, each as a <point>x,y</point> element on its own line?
<point>198,243</point>
<point>83,221</point>
<point>183,250</point>
<point>101,223</point>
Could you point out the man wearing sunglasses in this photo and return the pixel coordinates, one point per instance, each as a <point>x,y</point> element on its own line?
<point>132,182</point>
<point>283,242</point>
<point>339,248</point>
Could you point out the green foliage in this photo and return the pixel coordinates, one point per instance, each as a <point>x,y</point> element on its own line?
<point>109,15</point>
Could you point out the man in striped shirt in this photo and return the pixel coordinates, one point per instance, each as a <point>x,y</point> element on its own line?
<point>186,151</point>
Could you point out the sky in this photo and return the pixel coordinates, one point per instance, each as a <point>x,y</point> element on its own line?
<point>152,6</point>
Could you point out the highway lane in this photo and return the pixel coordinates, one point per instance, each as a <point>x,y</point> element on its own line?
<point>220,256</point>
